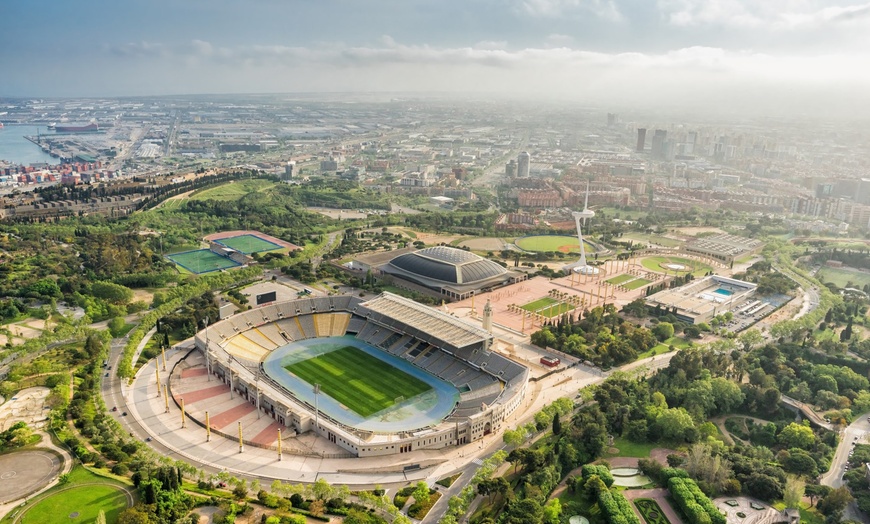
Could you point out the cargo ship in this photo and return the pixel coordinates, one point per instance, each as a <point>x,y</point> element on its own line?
<point>75,128</point>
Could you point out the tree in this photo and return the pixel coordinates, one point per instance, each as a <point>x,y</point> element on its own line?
<point>793,492</point>
<point>552,511</point>
<point>663,331</point>
<point>524,511</point>
<point>116,326</point>
<point>317,507</point>
<point>513,437</point>
<point>675,423</point>
<point>797,436</point>
<point>421,493</point>
<point>557,424</point>
<point>835,502</point>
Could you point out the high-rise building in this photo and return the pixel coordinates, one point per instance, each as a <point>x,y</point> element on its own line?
<point>288,171</point>
<point>524,161</point>
<point>641,139</point>
<point>510,169</point>
<point>612,119</point>
<point>658,143</point>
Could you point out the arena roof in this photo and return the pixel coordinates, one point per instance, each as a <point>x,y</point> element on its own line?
<point>427,320</point>
<point>448,264</point>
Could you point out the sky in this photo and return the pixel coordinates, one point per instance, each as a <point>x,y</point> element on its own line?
<point>725,53</point>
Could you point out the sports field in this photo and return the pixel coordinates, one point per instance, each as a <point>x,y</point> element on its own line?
<point>636,283</point>
<point>659,263</point>
<point>844,277</point>
<point>201,261</point>
<point>563,243</point>
<point>80,500</point>
<point>620,279</point>
<point>361,382</point>
<point>549,307</point>
<point>248,244</point>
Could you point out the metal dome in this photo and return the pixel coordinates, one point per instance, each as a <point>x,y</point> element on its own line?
<point>448,264</point>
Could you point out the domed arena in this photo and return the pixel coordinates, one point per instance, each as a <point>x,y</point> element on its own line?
<point>453,272</point>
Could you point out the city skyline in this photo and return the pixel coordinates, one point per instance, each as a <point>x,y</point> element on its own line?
<point>778,56</point>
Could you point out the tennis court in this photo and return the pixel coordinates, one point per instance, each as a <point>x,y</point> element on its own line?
<point>248,244</point>
<point>201,261</point>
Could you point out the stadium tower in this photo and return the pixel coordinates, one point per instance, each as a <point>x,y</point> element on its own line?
<point>583,267</point>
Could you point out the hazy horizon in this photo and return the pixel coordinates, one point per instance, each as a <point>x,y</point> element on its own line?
<point>733,56</point>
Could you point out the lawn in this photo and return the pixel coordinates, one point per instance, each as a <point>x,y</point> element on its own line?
<point>620,279</point>
<point>548,307</point>
<point>657,264</point>
<point>233,190</point>
<point>842,277</point>
<point>636,283</point>
<point>248,244</point>
<point>651,239</point>
<point>201,261</point>
<point>664,347</point>
<point>359,381</point>
<point>628,448</point>
<point>563,243</point>
<point>85,494</point>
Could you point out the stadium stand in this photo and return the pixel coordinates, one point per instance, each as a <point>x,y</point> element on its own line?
<point>272,332</point>
<point>340,322</point>
<point>355,325</point>
<point>255,336</point>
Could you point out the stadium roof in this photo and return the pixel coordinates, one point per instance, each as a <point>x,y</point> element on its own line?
<point>448,264</point>
<point>427,320</point>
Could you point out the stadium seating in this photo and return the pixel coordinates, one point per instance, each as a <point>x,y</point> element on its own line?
<point>340,322</point>
<point>255,336</point>
<point>355,325</point>
<point>244,349</point>
<point>272,332</point>
<point>290,326</point>
<point>322,324</point>
<point>306,326</point>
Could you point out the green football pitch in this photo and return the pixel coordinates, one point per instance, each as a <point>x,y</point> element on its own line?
<point>563,243</point>
<point>201,261</point>
<point>359,381</point>
<point>248,244</point>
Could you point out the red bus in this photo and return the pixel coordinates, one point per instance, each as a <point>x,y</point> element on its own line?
<point>550,361</point>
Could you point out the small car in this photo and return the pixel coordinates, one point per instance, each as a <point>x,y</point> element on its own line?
<point>147,439</point>
<point>124,414</point>
<point>114,408</point>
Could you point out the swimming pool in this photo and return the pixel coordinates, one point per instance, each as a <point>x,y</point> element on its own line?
<point>725,292</point>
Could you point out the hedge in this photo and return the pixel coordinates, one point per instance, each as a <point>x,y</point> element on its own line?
<point>696,506</point>
<point>601,470</point>
<point>616,508</point>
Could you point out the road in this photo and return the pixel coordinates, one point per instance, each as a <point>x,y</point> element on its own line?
<point>856,432</point>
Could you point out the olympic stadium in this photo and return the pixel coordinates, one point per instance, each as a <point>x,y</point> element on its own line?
<point>377,377</point>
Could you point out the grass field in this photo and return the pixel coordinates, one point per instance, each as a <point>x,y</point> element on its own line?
<point>636,283</point>
<point>85,494</point>
<point>233,190</point>
<point>248,244</point>
<point>359,381</point>
<point>201,261</point>
<point>842,277</point>
<point>651,239</point>
<point>620,279</point>
<point>549,307</point>
<point>657,264</point>
<point>563,243</point>
<point>663,347</point>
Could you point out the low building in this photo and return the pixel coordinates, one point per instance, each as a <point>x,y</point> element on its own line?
<point>701,300</point>
<point>724,248</point>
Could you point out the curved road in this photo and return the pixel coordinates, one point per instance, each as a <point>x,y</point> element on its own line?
<point>857,431</point>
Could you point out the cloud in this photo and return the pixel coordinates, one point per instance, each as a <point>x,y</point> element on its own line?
<point>767,14</point>
<point>605,9</point>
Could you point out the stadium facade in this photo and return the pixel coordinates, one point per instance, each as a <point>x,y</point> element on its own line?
<point>490,385</point>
